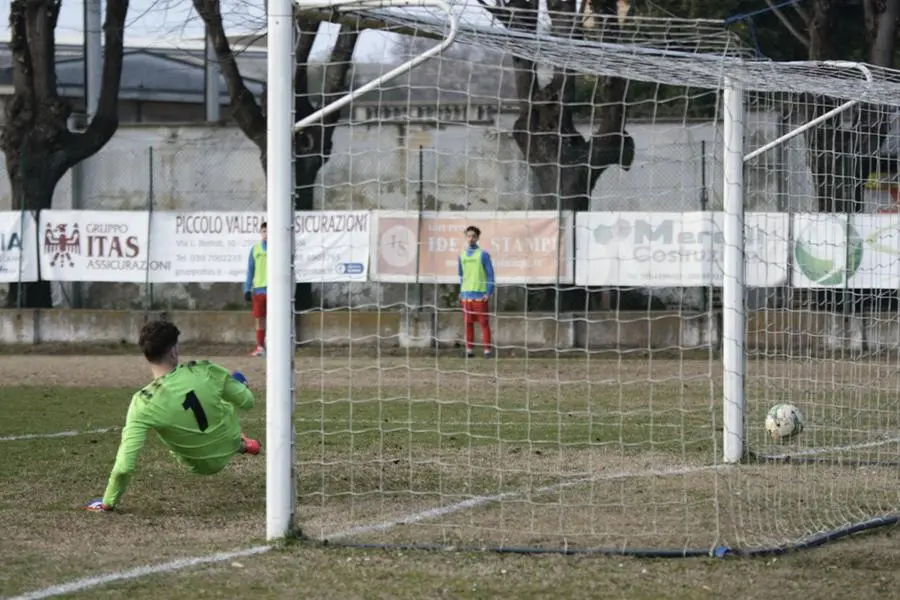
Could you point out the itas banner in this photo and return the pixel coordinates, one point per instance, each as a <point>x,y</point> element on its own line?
<point>214,247</point>
<point>18,247</point>
<point>676,249</point>
<point>88,245</point>
<point>525,246</point>
<point>847,251</point>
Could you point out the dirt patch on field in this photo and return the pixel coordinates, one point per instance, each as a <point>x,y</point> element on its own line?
<point>110,371</point>
<point>335,367</point>
<point>312,372</point>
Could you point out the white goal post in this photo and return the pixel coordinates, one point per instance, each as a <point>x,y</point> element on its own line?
<point>734,314</point>
<point>280,480</point>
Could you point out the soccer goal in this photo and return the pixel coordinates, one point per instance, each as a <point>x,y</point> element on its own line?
<point>678,242</point>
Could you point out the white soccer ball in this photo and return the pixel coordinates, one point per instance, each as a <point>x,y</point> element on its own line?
<point>783,422</point>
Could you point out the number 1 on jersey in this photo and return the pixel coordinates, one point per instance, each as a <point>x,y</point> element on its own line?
<point>192,402</point>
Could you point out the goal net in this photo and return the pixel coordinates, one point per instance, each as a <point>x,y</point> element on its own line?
<point>589,151</point>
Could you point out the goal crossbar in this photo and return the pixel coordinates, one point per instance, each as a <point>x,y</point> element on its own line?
<point>396,71</point>
<point>867,73</point>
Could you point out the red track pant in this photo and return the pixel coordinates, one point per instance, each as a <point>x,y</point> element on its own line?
<point>477,311</point>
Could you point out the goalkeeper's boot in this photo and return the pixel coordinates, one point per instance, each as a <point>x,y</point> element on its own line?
<point>249,446</point>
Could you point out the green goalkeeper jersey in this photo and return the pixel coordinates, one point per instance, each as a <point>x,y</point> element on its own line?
<point>192,411</point>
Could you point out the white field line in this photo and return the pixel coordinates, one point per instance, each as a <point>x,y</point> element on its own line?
<point>448,509</point>
<point>58,434</point>
<point>182,563</point>
<point>440,511</point>
<point>830,449</point>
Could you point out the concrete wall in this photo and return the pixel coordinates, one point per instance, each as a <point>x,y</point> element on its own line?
<point>771,332</point>
<point>376,165</point>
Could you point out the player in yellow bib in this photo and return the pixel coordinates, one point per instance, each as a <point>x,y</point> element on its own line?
<point>256,286</point>
<point>191,407</point>
<point>476,280</point>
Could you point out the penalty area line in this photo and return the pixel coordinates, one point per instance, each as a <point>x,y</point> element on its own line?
<point>58,434</point>
<point>80,585</point>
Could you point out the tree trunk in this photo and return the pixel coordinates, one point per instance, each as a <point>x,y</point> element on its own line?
<point>36,141</point>
<point>39,194</point>
<point>840,157</point>
<point>566,166</point>
<point>312,146</point>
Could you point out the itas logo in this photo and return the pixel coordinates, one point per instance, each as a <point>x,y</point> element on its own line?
<point>61,243</point>
<point>95,246</point>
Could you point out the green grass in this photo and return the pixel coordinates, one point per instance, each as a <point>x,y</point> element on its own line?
<point>374,445</point>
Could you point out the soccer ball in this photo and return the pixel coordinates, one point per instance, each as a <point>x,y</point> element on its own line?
<point>783,422</point>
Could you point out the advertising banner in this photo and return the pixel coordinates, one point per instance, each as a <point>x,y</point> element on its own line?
<point>525,246</point>
<point>18,247</point>
<point>203,247</point>
<point>329,246</point>
<point>89,245</point>
<point>859,251</point>
<point>650,249</point>
<point>332,246</point>
<point>194,247</point>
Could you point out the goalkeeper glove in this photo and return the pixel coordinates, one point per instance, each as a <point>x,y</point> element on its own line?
<point>240,377</point>
<point>97,506</point>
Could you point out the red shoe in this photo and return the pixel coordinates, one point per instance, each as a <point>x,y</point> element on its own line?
<point>249,446</point>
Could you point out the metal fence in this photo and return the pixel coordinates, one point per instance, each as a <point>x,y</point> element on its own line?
<point>457,167</point>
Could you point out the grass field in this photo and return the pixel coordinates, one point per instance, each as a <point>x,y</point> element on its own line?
<point>515,452</point>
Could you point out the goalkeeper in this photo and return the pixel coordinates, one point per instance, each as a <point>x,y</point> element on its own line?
<point>190,406</point>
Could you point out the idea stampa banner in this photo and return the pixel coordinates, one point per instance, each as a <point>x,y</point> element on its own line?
<point>214,247</point>
<point>525,246</point>
<point>18,248</point>
<point>90,245</point>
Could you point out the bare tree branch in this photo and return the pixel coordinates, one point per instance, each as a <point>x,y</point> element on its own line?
<point>801,12</point>
<point>306,37</point>
<point>566,164</point>
<point>246,112</point>
<point>105,122</point>
<point>881,17</point>
<point>803,39</point>
<point>820,28</point>
<point>334,80</point>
